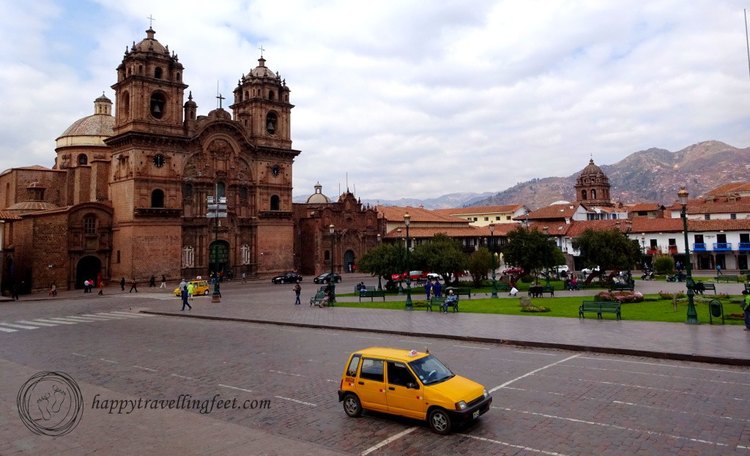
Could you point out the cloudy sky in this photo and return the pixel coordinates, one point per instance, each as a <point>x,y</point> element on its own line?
<point>406,98</point>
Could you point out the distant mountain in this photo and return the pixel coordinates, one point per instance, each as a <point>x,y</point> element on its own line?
<point>652,175</point>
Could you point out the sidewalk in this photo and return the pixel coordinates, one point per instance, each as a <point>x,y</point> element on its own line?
<point>705,343</point>
<point>723,344</point>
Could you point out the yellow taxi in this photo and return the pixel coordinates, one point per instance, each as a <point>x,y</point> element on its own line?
<point>411,384</point>
<point>200,287</point>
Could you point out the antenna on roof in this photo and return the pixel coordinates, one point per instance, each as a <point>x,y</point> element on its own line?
<point>747,42</point>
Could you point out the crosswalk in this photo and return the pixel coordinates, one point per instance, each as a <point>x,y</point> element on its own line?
<point>36,323</point>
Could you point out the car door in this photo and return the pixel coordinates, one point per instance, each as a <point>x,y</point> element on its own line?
<point>404,394</point>
<point>371,384</point>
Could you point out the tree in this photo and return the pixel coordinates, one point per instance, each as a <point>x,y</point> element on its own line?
<point>609,249</point>
<point>479,263</point>
<point>440,254</point>
<point>383,260</point>
<point>531,250</point>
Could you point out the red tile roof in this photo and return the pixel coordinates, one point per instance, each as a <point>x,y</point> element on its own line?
<point>554,211</point>
<point>418,214</point>
<point>479,209</point>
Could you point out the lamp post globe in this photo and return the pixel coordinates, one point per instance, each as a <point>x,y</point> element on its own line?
<point>409,304</point>
<point>692,314</point>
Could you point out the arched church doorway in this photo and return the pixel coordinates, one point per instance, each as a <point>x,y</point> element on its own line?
<point>349,261</point>
<point>89,268</point>
<point>218,258</point>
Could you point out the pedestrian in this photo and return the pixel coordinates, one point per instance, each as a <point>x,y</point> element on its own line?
<point>746,308</point>
<point>190,289</point>
<point>718,269</point>
<point>133,286</point>
<point>152,281</point>
<point>244,278</point>
<point>122,284</point>
<point>513,291</point>
<point>184,295</point>
<point>437,289</point>
<point>101,287</point>
<point>163,281</point>
<point>53,289</point>
<point>428,290</point>
<point>14,291</point>
<point>86,286</point>
<point>297,291</point>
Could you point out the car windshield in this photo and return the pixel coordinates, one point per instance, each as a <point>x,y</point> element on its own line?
<point>430,370</point>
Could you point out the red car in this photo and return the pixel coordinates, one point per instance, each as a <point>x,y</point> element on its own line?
<point>513,271</point>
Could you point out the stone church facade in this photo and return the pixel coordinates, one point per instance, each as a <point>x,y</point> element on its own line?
<point>127,196</point>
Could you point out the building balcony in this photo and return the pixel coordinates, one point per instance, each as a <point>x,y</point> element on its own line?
<point>699,247</point>
<point>673,250</point>
<point>744,246</point>
<point>722,246</point>
<point>653,251</point>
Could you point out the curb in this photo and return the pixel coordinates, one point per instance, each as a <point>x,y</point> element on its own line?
<point>490,340</point>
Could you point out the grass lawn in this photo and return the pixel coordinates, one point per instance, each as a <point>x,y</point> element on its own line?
<point>653,308</point>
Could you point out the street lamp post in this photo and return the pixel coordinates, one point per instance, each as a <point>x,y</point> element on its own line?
<point>692,314</point>
<point>492,245</point>
<point>629,227</point>
<point>409,305</point>
<point>380,286</point>
<point>546,233</point>
<point>332,281</point>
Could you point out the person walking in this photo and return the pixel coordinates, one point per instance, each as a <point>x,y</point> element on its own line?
<point>122,284</point>
<point>133,286</point>
<point>718,269</point>
<point>297,291</point>
<point>101,287</point>
<point>244,277</point>
<point>14,291</point>
<point>746,308</point>
<point>163,281</point>
<point>184,296</point>
<point>152,281</point>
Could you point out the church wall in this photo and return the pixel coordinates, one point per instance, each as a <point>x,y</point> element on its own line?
<point>82,184</point>
<point>49,255</point>
<point>99,181</point>
<point>275,247</point>
<point>145,250</point>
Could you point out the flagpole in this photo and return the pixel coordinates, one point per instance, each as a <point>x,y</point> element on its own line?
<point>747,43</point>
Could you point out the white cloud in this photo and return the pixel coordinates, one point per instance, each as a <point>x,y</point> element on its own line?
<point>409,98</point>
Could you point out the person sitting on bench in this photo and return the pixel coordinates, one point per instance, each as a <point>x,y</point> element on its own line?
<point>450,300</point>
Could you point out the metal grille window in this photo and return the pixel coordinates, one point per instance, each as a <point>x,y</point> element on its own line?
<point>89,225</point>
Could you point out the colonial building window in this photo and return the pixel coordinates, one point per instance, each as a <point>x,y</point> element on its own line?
<point>89,225</point>
<point>83,159</point>
<point>157,73</point>
<point>188,257</point>
<point>157,198</point>
<point>275,203</point>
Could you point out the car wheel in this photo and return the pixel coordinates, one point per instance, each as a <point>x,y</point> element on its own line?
<point>352,406</point>
<point>205,293</point>
<point>439,421</point>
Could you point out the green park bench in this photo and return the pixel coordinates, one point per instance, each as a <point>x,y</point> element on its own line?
<point>463,291</point>
<point>372,293</point>
<point>599,307</point>
<point>440,302</point>
<point>537,291</point>
<point>727,278</point>
<point>620,286</point>
<point>701,287</point>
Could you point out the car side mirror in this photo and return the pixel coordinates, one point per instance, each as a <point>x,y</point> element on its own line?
<point>412,385</point>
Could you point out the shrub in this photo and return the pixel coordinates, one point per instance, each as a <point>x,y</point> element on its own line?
<point>619,296</point>
<point>527,306</point>
<point>663,264</point>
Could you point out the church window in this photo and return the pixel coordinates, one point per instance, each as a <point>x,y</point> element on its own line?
<point>89,225</point>
<point>593,194</point>
<point>187,191</point>
<point>327,255</point>
<point>126,104</point>
<point>271,95</point>
<point>243,193</point>
<point>157,72</point>
<point>157,198</point>
<point>247,95</point>
<point>188,257</point>
<point>220,189</point>
<point>83,159</point>
<point>271,120</point>
<point>140,69</point>
<point>275,203</point>
<point>177,77</point>
<point>583,195</point>
<point>158,104</point>
<point>245,254</point>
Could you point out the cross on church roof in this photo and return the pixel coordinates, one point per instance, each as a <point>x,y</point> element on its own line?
<point>261,50</point>
<point>220,98</point>
<point>150,20</point>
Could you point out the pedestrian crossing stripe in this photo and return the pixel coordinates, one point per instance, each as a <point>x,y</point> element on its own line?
<point>36,323</point>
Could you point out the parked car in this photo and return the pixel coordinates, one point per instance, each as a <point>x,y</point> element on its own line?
<point>588,271</point>
<point>200,287</point>
<point>434,276</point>
<point>287,277</point>
<point>326,278</point>
<point>562,268</point>
<point>411,384</point>
<point>513,271</point>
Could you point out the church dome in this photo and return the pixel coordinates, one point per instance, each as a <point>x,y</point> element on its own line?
<point>318,197</point>
<point>90,130</point>
<point>262,71</point>
<point>592,174</point>
<point>150,44</point>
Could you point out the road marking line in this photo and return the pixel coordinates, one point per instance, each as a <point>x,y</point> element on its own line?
<point>108,361</point>
<point>78,354</point>
<point>144,368</point>
<point>65,319</point>
<point>80,319</point>
<point>370,337</point>
<point>390,439</point>
<point>665,365</point>
<point>284,373</point>
<point>129,314</point>
<point>114,316</point>
<point>296,400</point>
<point>615,426</point>
<point>471,346</point>
<point>520,447</point>
<point>98,317</point>
<point>533,372</point>
<point>26,322</point>
<point>17,326</point>
<point>61,322</point>
<point>412,342</point>
<point>182,376</point>
<point>7,330</point>
<point>235,388</point>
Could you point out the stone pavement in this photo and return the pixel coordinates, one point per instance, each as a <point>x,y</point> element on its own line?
<point>725,344</point>
<point>260,303</point>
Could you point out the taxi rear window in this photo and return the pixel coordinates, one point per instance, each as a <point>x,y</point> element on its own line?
<point>351,371</point>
